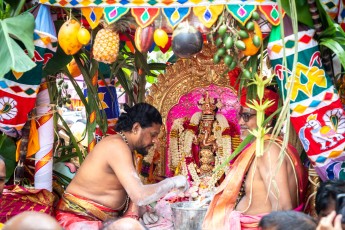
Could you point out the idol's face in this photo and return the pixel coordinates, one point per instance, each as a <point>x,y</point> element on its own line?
<point>246,120</point>
<point>147,138</point>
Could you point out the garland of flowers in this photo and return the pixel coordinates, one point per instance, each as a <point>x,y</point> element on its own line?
<point>223,142</point>
<point>175,144</point>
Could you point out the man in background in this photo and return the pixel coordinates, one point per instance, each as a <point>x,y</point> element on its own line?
<point>257,185</point>
<point>326,196</point>
<point>287,220</point>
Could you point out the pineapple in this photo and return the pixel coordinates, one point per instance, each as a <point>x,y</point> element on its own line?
<point>107,41</point>
<point>106,46</point>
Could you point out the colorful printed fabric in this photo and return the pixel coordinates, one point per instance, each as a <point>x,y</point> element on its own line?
<point>208,15</point>
<point>223,203</point>
<point>17,199</point>
<point>175,15</point>
<point>242,12</point>
<point>18,91</point>
<point>149,3</point>
<point>316,110</point>
<point>74,211</point>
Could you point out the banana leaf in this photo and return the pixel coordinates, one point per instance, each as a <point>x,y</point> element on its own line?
<point>56,63</point>
<point>8,152</point>
<point>19,29</point>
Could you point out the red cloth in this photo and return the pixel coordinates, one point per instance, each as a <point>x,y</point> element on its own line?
<point>268,95</point>
<point>75,212</point>
<point>17,199</point>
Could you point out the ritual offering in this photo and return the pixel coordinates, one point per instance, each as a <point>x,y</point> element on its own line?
<point>188,215</point>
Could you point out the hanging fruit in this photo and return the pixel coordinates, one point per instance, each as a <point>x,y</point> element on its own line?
<point>235,41</point>
<point>143,38</point>
<point>186,40</point>
<point>73,68</point>
<point>254,40</point>
<point>160,37</point>
<point>68,37</point>
<point>84,36</point>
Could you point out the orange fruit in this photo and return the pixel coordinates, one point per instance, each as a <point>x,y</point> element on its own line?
<point>251,49</point>
<point>73,68</point>
<point>84,36</point>
<point>68,37</point>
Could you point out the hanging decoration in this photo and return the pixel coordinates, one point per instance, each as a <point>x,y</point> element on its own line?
<point>19,94</point>
<point>208,15</point>
<point>93,15</point>
<point>145,16</point>
<point>316,111</point>
<point>175,15</point>
<point>160,37</point>
<point>143,38</point>
<point>241,12</point>
<point>271,13</point>
<point>148,3</point>
<point>112,14</point>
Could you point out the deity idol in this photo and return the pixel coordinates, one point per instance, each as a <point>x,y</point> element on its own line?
<point>199,146</point>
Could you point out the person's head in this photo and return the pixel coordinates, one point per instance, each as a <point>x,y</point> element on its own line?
<point>326,195</point>
<point>31,220</point>
<point>286,220</point>
<point>247,116</point>
<point>2,174</point>
<point>123,224</point>
<point>144,122</point>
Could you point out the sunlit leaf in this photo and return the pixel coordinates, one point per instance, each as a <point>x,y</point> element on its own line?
<point>12,56</point>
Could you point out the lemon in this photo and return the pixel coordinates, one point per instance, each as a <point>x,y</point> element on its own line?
<point>84,36</point>
<point>160,37</point>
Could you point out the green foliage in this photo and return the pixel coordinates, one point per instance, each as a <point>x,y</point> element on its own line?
<point>18,29</point>
<point>57,63</point>
<point>303,15</point>
<point>333,37</point>
<point>8,151</point>
<point>127,63</point>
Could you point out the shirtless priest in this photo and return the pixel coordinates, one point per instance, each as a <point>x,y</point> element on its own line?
<point>256,186</point>
<point>107,185</point>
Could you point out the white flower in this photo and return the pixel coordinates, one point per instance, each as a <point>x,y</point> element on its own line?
<point>8,108</point>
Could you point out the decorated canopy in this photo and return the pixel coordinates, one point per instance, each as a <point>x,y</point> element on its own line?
<point>150,3</point>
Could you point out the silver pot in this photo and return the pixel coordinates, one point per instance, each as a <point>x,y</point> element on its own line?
<point>187,215</point>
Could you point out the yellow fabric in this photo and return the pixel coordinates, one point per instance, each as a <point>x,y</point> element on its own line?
<point>33,143</point>
<point>97,12</point>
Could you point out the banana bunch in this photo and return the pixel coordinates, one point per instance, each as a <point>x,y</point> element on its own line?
<point>236,41</point>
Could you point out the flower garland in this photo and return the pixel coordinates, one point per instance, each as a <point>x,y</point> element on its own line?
<point>222,138</point>
<point>224,149</point>
<point>175,144</point>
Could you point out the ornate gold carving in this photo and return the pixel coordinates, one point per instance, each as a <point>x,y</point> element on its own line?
<point>181,78</point>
